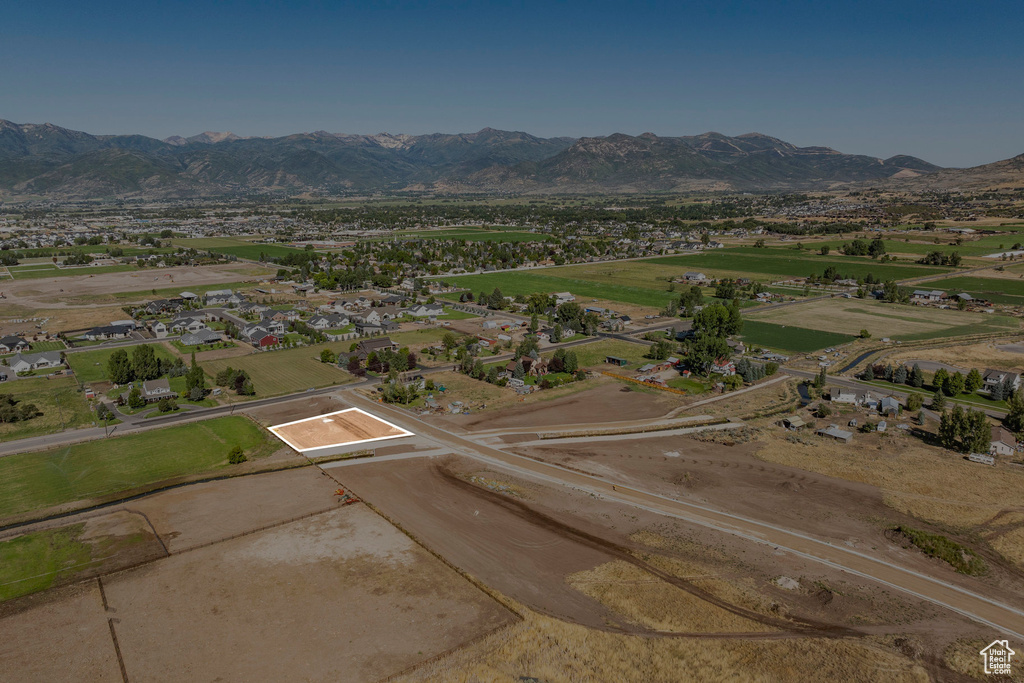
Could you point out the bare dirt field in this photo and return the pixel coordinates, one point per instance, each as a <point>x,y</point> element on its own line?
<point>85,289</point>
<point>338,596</point>
<point>297,409</point>
<point>533,544</point>
<point>607,400</point>
<point>1001,355</point>
<point>336,429</point>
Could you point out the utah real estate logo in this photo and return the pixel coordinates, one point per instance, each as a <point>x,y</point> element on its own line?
<point>997,657</point>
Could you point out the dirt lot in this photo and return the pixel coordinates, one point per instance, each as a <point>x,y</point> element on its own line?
<point>334,429</point>
<point>548,537</point>
<point>1001,355</point>
<point>604,400</point>
<point>54,293</point>
<point>340,595</point>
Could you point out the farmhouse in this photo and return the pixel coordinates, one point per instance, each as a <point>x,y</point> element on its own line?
<point>25,362</point>
<point>693,276</point>
<point>889,406</point>
<point>153,390</point>
<point>929,294</point>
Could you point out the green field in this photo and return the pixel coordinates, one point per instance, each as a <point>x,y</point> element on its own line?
<point>770,263</point>
<point>31,563</point>
<point>94,469</point>
<point>62,404</point>
<point>593,355</point>
<point>970,247</point>
<point>239,248</point>
<point>91,366</point>
<point>287,371</point>
<point>789,338</point>
<point>547,281</point>
<point>35,272</point>
<point>476,235</point>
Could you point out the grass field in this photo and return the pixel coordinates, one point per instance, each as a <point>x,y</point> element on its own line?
<point>239,248</point>
<point>91,366</point>
<point>31,272</point>
<point>287,371</point>
<point>583,284</point>
<point>62,404</point>
<point>39,347</point>
<point>789,337</point>
<point>475,235</point>
<point>770,263</point>
<point>593,355</point>
<point>906,323</point>
<point>32,481</point>
<point>998,290</point>
<point>30,563</point>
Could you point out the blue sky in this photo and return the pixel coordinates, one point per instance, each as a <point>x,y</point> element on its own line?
<point>942,80</point>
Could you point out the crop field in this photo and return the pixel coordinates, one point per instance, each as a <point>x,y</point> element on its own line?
<point>582,283</point>
<point>789,337</point>
<point>920,246</point>
<point>31,481</point>
<point>91,366</point>
<point>239,248</point>
<point>769,263</point>
<point>59,399</point>
<point>286,371</point>
<point>906,323</point>
<point>42,271</point>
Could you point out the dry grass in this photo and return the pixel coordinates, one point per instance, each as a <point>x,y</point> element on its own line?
<point>969,356</point>
<point>955,492</point>
<point>964,657</point>
<point>554,651</point>
<point>643,599</point>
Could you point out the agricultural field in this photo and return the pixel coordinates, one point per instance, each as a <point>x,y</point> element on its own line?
<point>593,355</point>
<point>585,282</point>
<point>42,271</point>
<point>236,247</point>
<point>286,371</point>
<point>63,406</point>
<point>773,263</point>
<point>94,469</point>
<point>998,290</point>
<point>91,366</point>
<point>476,235</point>
<point>847,317</point>
<point>790,337</point>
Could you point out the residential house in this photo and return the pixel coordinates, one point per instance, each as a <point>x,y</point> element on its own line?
<point>928,295</point>
<point>262,340</point>
<point>426,311</point>
<point>889,406</point>
<point>158,328</point>
<point>333,321</point>
<point>377,344</point>
<point>13,344</point>
<point>108,332</point>
<point>723,367</point>
<point>201,337</point>
<point>993,377</point>
<point>24,362</point>
<point>188,325</point>
<point>563,298</point>
<point>693,276</point>
<point>1003,442</point>
<point>153,390</point>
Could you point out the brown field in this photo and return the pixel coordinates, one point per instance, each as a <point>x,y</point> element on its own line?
<point>337,594</point>
<point>981,356</point>
<point>335,429</point>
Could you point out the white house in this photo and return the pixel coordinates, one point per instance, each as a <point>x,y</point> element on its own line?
<point>1003,442</point>
<point>24,362</point>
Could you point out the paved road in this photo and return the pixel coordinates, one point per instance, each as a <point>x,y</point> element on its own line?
<point>1006,619</point>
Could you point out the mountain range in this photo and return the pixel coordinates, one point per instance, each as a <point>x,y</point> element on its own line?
<point>47,160</point>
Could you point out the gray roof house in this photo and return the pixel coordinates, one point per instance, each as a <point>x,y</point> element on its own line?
<point>23,362</point>
<point>834,432</point>
<point>206,336</point>
<point>10,344</point>
<point>153,390</point>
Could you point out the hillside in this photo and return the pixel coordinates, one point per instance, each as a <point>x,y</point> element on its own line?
<point>43,159</point>
<point>1005,174</point>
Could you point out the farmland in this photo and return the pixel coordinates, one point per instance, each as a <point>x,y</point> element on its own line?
<point>44,271</point>
<point>789,337</point>
<point>31,481</point>
<point>91,366</point>
<point>997,290</point>
<point>284,372</point>
<point>62,404</point>
<point>582,283</point>
<point>475,235</point>
<point>239,248</point>
<point>850,316</point>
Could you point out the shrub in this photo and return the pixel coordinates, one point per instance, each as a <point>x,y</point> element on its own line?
<point>914,402</point>
<point>962,559</point>
<point>823,410</point>
<point>236,455</point>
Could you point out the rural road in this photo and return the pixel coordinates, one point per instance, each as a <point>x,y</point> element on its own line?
<point>1005,619</point>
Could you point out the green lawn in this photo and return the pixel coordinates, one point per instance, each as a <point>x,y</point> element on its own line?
<point>286,371</point>
<point>91,366</point>
<point>62,404</point>
<point>239,248</point>
<point>39,347</point>
<point>996,290</point>
<point>592,355</point>
<point>33,481</point>
<point>452,314</point>
<point>789,338</point>
<point>560,280</point>
<point>688,384</point>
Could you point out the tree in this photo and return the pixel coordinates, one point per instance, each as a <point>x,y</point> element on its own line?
<point>1014,419</point>
<point>940,378</point>
<point>916,377</point>
<point>825,250</point>
<point>821,378</point>
<point>954,385</point>
<point>354,366</point>
<point>823,410</point>
<point>864,334</point>
<point>135,400</point>
<point>327,356</point>
<point>236,455</point>
<point>571,362</point>
<point>996,393</point>
<point>938,400</point>
<point>914,401</point>
<point>119,368</point>
<point>449,342</point>
<point>899,375</point>
<point>869,373</point>
<point>534,323</point>
<point>973,381</point>
<point>518,372</point>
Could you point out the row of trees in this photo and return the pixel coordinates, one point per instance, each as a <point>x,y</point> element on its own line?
<point>13,410</point>
<point>966,431</point>
<point>238,380</point>
<point>143,365</point>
